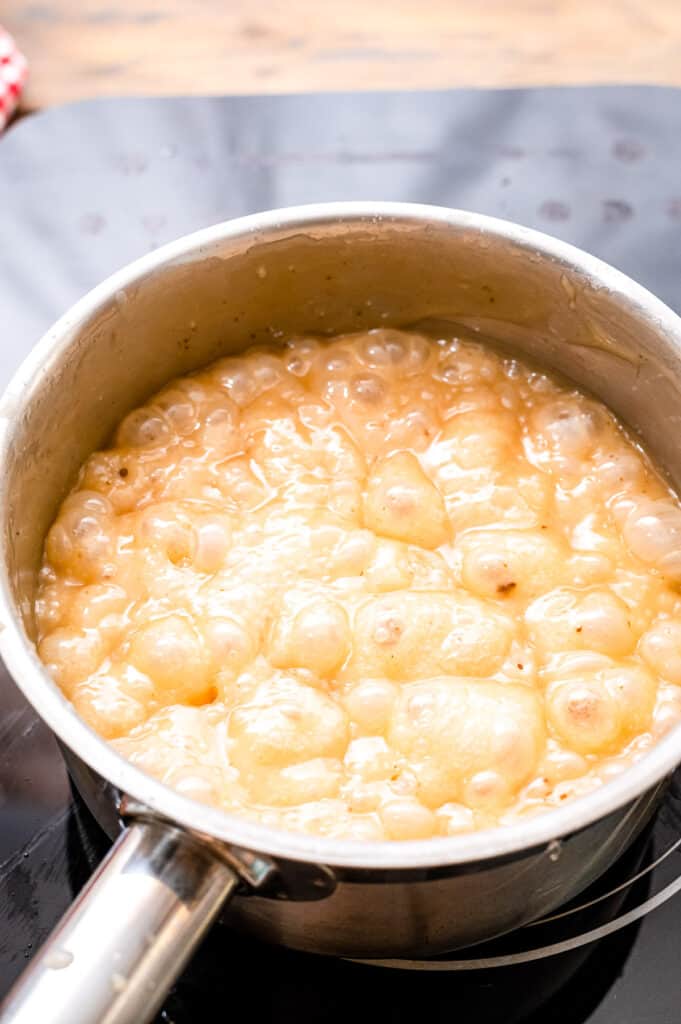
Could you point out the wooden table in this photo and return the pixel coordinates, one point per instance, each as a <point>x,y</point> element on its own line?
<point>85,48</point>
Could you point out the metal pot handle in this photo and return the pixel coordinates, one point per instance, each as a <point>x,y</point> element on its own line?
<point>123,942</point>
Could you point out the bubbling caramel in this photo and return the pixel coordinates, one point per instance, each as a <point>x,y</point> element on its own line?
<point>378,587</point>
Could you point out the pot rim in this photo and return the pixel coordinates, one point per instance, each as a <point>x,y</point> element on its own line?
<point>33,680</point>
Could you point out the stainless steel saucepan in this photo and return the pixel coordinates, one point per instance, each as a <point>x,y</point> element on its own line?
<point>177,866</point>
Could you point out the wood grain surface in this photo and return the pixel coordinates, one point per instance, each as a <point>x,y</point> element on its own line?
<point>84,48</point>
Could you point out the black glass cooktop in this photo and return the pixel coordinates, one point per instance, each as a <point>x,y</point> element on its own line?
<point>88,187</point>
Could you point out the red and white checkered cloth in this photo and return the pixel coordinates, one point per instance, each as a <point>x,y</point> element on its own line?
<point>13,72</point>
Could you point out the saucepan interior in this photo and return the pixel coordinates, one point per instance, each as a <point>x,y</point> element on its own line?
<point>321,269</point>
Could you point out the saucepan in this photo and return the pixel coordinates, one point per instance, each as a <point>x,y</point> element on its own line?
<point>178,866</point>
